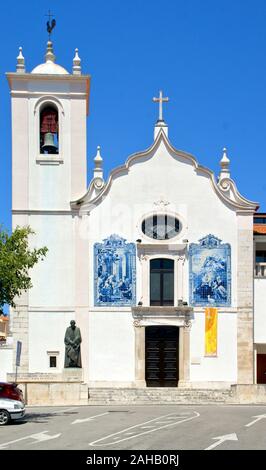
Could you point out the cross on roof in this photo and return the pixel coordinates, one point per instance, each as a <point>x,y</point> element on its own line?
<point>161,100</point>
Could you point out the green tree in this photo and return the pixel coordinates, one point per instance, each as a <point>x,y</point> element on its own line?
<point>15,261</point>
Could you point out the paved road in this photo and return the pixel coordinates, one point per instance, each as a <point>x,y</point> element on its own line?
<point>150,427</point>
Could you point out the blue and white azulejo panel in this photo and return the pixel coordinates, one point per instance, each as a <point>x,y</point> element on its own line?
<point>210,272</point>
<point>114,272</point>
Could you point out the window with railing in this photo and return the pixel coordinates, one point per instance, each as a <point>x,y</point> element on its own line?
<point>260,265</point>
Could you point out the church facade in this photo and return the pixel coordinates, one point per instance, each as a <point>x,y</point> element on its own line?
<point>155,264</point>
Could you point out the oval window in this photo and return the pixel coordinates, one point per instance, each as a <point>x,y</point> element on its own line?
<point>161,227</point>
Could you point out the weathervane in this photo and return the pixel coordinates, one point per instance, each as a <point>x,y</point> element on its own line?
<point>50,24</point>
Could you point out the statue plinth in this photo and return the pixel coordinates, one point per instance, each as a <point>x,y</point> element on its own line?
<point>72,374</point>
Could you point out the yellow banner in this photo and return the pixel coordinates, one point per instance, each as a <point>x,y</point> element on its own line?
<point>211,316</point>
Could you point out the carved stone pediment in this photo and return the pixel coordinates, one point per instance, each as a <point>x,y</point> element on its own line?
<point>182,312</point>
<point>180,315</point>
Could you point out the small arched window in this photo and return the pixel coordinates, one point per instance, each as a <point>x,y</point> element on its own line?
<point>49,135</point>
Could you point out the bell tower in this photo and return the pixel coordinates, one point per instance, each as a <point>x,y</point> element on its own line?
<point>49,113</point>
<point>49,109</point>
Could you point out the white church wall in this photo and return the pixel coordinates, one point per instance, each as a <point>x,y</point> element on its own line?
<point>222,368</point>
<point>82,255</point>
<point>259,310</point>
<point>46,334</point>
<point>53,278</point>
<point>20,152</point>
<point>111,347</point>
<point>78,141</point>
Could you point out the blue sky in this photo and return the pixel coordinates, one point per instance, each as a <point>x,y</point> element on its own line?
<point>208,56</point>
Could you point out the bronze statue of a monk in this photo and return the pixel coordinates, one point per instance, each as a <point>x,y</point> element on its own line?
<point>72,342</point>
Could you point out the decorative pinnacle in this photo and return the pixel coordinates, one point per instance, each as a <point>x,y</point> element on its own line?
<point>98,158</point>
<point>224,162</point>
<point>20,62</point>
<point>98,162</point>
<point>49,56</point>
<point>76,63</point>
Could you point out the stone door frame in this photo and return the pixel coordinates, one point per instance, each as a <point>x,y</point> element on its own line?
<point>183,353</point>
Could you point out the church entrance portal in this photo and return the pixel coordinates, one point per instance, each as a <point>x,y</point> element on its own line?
<point>161,356</point>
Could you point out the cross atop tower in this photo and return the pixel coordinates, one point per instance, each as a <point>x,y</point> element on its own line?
<point>161,100</point>
<point>50,14</point>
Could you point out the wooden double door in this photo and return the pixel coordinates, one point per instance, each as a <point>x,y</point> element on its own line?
<point>161,356</point>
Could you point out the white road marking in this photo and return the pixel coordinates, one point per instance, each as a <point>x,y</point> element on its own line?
<point>174,417</point>
<point>162,422</point>
<point>258,418</point>
<point>39,437</point>
<point>2,446</point>
<point>111,438</point>
<point>77,421</point>
<point>221,439</point>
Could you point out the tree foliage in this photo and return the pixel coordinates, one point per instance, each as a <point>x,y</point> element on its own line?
<point>15,261</point>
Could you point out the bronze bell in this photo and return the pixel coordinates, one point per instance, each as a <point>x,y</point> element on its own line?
<point>49,145</point>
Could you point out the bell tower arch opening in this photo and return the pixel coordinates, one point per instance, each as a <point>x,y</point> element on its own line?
<point>49,129</point>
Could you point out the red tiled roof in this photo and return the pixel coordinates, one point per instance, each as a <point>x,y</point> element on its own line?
<point>259,229</point>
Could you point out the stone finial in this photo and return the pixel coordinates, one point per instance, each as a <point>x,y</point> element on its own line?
<point>20,62</point>
<point>49,56</point>
<point>224,164</point>
<point>76,63</point>
<point>160,126</point>
<point>98,162</point>
<point>224,160</point>
<point>98,157</point>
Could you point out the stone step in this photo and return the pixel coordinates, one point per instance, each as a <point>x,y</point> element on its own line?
<point>100,396</point>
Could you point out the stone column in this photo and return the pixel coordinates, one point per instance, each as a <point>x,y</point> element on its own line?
<point>19,316</point>
<point>180,275</point>
<point>181,355</point>
<point>20,330</point>
<point>139,355</point>
<point>255,364</point>
<point>245,361</point>
<point>145,283</point>
<point>184,356</point>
